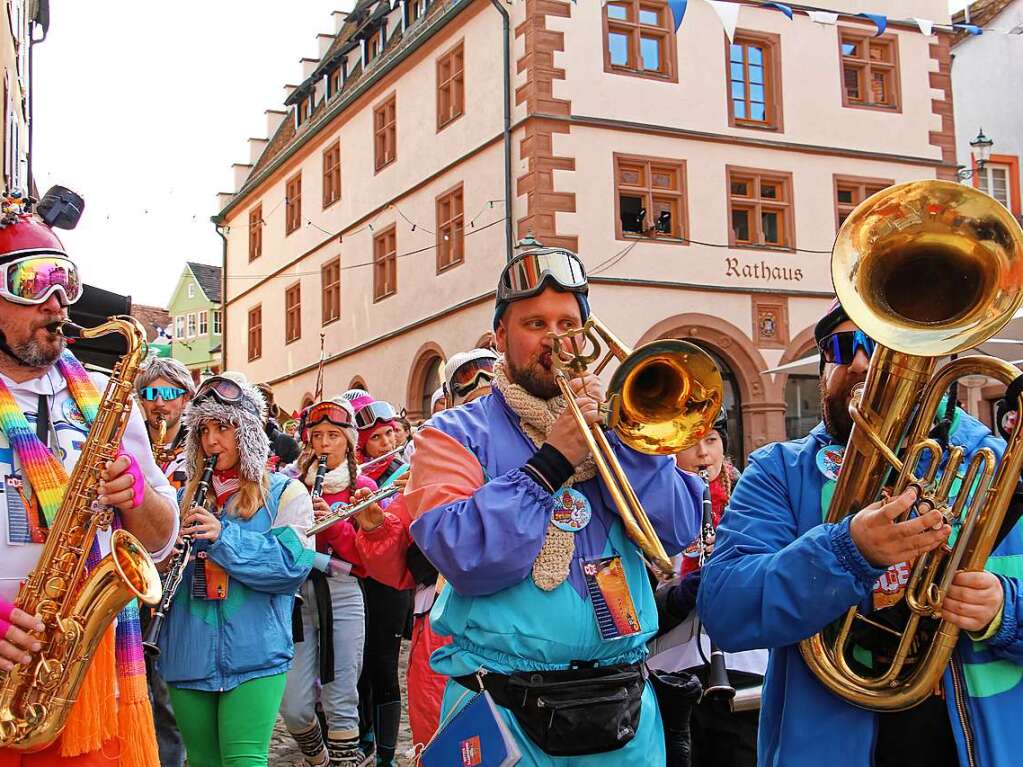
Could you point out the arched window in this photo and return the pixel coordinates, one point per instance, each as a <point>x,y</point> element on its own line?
<point>732,404</point>
<point>431,380</point>
<point>425,377</point>
<point>802,405</point>
<point>357,383</point>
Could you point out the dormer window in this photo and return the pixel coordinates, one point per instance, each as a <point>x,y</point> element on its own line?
<point>334,82</point>
<point>302,110</point>
<point>374,45</point>
<point>416,10</point>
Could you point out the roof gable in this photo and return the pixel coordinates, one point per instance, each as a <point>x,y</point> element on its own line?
<point>208,277</point>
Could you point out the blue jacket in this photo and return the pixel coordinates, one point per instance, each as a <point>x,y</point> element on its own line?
<point>484,537</point>
<point>216,645</point>
<point>779,575</point>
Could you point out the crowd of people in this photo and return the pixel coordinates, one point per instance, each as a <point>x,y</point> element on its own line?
<point>486,536</point>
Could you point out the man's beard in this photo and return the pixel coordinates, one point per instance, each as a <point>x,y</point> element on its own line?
<point>36,355</point>
<point>835,409</point>
<point>535,377</point>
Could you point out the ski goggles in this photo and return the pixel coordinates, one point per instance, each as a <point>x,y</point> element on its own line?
<point>226,392</point>
<point>526,274</point>
<point>374,413</point>
<point>841,348</point>
<point>468,376</point>
<point>33,279</point>
<point>326,412</point>
<point>166,393</point>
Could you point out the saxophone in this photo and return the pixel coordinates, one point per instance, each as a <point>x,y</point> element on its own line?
<point>75,607</point>
<point>161,450</point>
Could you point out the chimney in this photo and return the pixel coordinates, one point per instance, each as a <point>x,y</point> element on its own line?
<point>256,148</point>
<point>325,41</point>
<point>241,172</point>
<point>308,65</point>
<point>224,199</point>
<point>288,90</point>
<point>340,17</point>
<point>274,118</point>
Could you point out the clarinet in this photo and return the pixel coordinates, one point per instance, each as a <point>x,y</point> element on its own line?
<point>718,687</point>
<point>321,471</point>
<point>176,571</point>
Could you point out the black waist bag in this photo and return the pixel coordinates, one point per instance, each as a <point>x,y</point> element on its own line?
<point>571,713</point>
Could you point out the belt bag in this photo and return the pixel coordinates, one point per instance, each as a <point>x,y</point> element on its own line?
<point>575,712</point>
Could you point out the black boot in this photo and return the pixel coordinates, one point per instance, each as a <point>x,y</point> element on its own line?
<point>387,720</point>
<point>676,696</point>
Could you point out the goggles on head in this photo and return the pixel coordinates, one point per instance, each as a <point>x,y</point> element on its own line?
<point>226,392</point>
<point>468,376</point>
<point>325,412</point>
<point>166,393</point>
<point>33,279</point>
<point>374,413</point>
<point>840,348</point>
<point>526,274</point>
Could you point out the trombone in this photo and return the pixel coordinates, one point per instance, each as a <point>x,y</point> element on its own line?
<point>663,398</point>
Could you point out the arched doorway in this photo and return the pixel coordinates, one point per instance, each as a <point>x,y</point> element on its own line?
<point>431,382</point>
<point>423,381</point>
<point>802,389</point>
<point>357,383</point>
<point>307,401</point>
<point>732,397</point>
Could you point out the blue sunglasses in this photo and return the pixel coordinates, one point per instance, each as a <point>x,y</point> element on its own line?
<point>166,393</point>
<point>841,348</point>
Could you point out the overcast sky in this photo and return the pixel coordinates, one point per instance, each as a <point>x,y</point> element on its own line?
<point>142,107</point>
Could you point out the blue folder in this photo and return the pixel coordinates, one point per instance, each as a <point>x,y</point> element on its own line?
<point>474,737</point>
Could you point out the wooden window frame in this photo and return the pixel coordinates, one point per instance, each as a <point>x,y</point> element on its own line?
<point>375,39</point>
<point>217,322</point>
<point>255,232</point>
<point>863,184</point>
<point>864,36</point>
<point>453,226</point>
<point>293,204</point>
<point>413,14</point>
<point>648,189</point>
<point>786,204</point>
<point>204,323</point>
<point>669,54</point>
<point>385,133</point>
<point>451,88</point>
<point>293,312</point>
<point>331,174</point>
<point>1011,161</point>
<point>334,80</point>
<point>771,44</point>
<point>379,291</point>
<point>330,291</point>
<point>255,334</point>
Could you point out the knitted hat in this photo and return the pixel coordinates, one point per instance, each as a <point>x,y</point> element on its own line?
<point>248,417</point>
<point>369,431</point>
<point>437,396</point>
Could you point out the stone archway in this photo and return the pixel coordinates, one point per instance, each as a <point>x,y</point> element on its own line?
<point>762,401</point>
<point>424,366</point>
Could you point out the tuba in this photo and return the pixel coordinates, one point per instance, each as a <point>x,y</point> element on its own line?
<point>663,398</point>
<point>927,269</point>
<point>77,607</point>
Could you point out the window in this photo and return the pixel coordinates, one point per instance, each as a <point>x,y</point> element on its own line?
<point>216,322</point>
<point>292,313</point>
<point>204,319</point>
<point>255,232</point>
<point>385,133</point>
<point>255,333</point>
<point>416,10</point>
<point>802,405</point>
<point>385,264</point>
<point>870,70</point>
<point>450,86</point>
<point>302,111</point>
<point>639,38</point>
<point>994,180</point>
<point>191,324</point>
<point>332,174</point>
<point>179,327</point>
<point>651,197</point>
<point>191,290</point>
<point>330,279</point>
<point>374,45</point>
<point>334,81</point>
<point>850,191</point>
<point>754,80</point>
<point>293,204</point>
<point>760,208</point>
<point>450,229</point>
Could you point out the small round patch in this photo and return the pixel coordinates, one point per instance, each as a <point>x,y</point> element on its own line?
<point>571,510</point>
<point>829,460</point>
<point>72,414</point>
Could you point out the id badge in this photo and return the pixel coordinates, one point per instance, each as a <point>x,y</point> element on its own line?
<point>209,580</point>
<point>610,598</point>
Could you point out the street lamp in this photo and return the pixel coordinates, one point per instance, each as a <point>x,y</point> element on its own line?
<point>981,154</point>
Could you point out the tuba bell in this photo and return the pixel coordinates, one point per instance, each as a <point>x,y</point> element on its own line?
<point>927,269</point>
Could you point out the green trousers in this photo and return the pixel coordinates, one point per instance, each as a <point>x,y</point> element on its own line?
<point>229,729</point>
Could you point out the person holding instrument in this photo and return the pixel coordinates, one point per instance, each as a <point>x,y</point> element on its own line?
<point>330,622</point>
<point>547,603</point>
<point>226,645</point>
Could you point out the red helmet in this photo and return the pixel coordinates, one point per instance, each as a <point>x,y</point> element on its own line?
<point>23,234</point>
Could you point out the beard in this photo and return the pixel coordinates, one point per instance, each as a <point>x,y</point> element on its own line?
<point>34,354</point>
<point>536,376</point>
<point>835,409</point>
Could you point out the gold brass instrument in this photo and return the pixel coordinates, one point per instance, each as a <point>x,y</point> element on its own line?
<point>342,511</point>
<point>161,451</point>
<point>77,608</point>
<point>926,269</point>
<point>663,398</point>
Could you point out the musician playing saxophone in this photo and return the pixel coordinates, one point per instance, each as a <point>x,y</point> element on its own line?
<point>778,575</point>
<point>46,400</point>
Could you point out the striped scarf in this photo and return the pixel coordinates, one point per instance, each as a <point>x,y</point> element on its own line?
<point>118,666</point>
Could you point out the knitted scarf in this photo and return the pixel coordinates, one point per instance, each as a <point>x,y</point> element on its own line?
<point>536,417</point>
<point>117,670</point>
<point>336,480</point>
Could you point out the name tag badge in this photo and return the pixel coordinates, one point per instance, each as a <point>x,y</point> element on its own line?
<point>572,510</point>
<point>612,604</point>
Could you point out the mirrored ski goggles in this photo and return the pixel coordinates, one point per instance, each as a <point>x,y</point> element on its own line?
<point>166,393</point>
<point>374,413</point>
<point>33,279</point>
<point>841,348</point>
<point>526,274</point>
<point>468,376</point>
<point>226,392</point>
<point>329,412</point>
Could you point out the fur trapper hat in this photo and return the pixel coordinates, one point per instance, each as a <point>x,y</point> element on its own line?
<point>248,417</point>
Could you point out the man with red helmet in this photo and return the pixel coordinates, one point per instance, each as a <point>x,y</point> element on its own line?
<point>45,401</point>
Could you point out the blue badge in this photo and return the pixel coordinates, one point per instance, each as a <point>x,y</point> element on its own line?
<point>829,460</point>
<point>73,415</point>
<point>571,510</point>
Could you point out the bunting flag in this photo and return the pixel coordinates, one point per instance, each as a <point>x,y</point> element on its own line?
<point>678,10</point>
<point>779,7</point>
<point>728,13</point>
<point>926,27</point>
<point>973,29</point>
<point>823,17</point>
<point>881,22</point>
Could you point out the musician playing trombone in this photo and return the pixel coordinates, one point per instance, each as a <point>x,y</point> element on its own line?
<point>779,576</point>
<point>547,603</point>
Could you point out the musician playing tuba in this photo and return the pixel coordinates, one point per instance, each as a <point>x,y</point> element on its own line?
<point>48,403</point>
